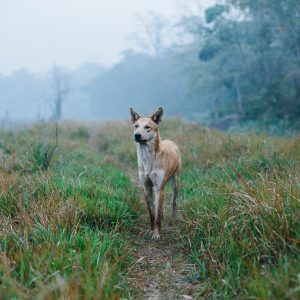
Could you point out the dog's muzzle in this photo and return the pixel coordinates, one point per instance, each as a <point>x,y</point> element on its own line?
<point>138,138</point>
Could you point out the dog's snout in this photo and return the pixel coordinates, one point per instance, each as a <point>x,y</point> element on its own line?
<point>137,136</point>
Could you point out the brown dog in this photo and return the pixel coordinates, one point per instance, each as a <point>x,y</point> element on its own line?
<point>158,162</point>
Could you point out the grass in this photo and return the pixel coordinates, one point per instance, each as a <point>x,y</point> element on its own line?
<point>240,216</point>
<point>65,231</point>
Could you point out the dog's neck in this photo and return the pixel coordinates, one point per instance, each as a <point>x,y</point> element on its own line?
<point>147,152</point>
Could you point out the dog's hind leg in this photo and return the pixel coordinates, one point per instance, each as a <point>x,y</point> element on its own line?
<point>175,186</point>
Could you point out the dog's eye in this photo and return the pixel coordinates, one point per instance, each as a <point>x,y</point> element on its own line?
<point>147,127</point>
<point>136,126</point>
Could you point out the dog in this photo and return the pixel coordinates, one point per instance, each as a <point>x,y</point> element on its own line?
<point>158,162</point>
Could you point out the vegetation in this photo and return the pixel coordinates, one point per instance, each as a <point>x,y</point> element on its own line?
<point>240,216</point>
<point>233,66</point>
<point>239,203</point>
<point>64,230</point>
<point>248,61</point>
<point>68,230</point>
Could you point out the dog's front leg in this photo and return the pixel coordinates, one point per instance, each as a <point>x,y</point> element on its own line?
<point>159,202</point>
<point>157,179</point>
<point>148,190</point>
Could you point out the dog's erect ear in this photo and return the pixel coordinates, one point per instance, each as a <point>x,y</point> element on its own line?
<point>157,116</point>
<point>134,115</point>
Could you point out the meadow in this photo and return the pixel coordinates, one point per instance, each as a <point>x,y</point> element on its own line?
<point>71,216</point>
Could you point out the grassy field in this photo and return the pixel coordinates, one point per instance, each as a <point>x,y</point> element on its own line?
<point>64,230</point>
<point>67,229</point>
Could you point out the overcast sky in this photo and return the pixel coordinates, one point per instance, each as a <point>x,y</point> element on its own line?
<point>37,34</point>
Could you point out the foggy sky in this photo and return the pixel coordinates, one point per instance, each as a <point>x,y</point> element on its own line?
<point>37,34</point>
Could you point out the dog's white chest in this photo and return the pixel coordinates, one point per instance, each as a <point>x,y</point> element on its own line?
<point>146,158</point>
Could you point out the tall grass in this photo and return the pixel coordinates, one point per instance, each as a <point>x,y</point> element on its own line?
<point>240,214</point>
<point>239,208</point>
<point>64,230</point>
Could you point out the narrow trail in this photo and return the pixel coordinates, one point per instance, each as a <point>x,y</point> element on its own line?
<point>160,269</point>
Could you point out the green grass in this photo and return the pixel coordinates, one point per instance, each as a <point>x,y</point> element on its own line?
<point>240,215</point>
<point>239,208</point>
<point>65,231</point>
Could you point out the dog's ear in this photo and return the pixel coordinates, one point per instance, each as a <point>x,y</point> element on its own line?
<point>134,115</point>
<point>157,116</point>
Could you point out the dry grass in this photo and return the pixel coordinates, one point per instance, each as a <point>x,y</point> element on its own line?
<point>240,207</point>
<point>65,231</point>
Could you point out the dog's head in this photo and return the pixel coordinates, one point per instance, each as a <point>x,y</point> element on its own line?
<point>145,128</point>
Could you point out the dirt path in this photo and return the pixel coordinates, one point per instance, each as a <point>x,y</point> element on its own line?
<point>160,270</point>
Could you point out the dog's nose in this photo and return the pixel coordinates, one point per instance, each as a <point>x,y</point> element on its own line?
<point>137,136</point>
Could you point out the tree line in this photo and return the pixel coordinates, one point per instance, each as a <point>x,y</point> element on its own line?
<point>238,64</point>
<point>248,66</point>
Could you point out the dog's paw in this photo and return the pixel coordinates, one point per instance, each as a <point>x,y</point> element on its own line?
<point>155,236</point>
<point>148,233</point>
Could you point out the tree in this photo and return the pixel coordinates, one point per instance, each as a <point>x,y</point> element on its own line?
<point>60,90</point>
<point>249,63</point>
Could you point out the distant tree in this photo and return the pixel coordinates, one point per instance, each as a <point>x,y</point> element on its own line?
<point>248,59</point>
<point>144,82</point>
<point>60,90</point>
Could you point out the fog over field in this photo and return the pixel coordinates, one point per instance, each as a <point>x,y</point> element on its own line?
<point>228,64</point>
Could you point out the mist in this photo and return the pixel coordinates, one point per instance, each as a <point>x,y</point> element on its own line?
<point>226,64</point>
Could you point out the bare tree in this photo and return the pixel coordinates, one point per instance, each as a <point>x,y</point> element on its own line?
<point>60,90</point>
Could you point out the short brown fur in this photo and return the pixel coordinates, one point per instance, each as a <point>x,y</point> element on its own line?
<point>158,162</point>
